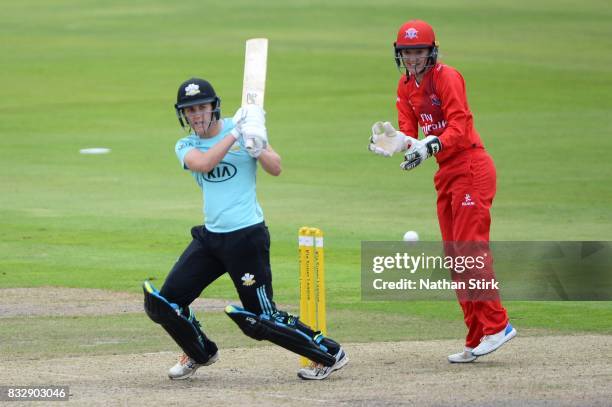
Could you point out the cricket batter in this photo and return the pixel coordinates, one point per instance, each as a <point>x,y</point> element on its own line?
<point>233,239</point>
<point>432,96</point>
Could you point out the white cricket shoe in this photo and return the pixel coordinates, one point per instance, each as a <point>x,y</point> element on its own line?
<point>186,366</point>
<point>490,343</point>
<point>317,371</point>
<point>462,357</point>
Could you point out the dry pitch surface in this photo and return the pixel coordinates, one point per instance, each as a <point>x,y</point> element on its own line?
<point>544,370</point>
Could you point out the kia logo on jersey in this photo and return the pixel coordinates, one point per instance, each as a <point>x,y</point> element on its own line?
<point>222,172</point>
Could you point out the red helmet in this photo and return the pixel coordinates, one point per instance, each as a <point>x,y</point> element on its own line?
<point>416,34</point>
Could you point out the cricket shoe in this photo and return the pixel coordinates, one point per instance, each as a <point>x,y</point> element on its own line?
<point>462,357</point>
<point>490,343</point>
<point>316,371</point>
<point>186,366</point>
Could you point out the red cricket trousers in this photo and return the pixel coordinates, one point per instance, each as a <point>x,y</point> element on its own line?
<point>466,185</point>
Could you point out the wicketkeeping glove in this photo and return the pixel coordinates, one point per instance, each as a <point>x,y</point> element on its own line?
<point>386,141</point>
<point>419,151</point>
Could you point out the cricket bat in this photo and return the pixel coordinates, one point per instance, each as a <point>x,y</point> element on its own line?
<point>254,82</point>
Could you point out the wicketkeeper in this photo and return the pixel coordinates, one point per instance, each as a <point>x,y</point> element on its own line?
<point>234,239</point>
<point>432,96</point>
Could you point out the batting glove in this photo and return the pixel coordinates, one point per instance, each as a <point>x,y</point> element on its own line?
<point>254,130</point>
<point>255,145</point>
<point>250,125</point>
<point>238,120</point>
<point>386,141</point>
<point>419,151</point>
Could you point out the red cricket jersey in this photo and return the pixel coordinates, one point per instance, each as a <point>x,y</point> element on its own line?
<point>439,106</point>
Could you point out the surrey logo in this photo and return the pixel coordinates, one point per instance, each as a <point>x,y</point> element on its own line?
<point>192,89</point>
<point>467,201</point>
<point>411,33</point>
<point>248,279</point>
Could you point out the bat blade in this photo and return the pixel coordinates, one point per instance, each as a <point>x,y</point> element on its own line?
<point>254,82</point>
<point>255,65</point>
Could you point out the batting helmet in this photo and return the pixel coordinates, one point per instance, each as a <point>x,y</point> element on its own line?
<point>196,91</point>
<point>416,34</point>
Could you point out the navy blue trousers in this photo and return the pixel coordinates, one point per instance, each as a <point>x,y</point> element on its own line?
<point>244,254</point>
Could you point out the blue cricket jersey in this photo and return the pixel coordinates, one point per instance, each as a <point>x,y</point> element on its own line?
<point>230,200</point>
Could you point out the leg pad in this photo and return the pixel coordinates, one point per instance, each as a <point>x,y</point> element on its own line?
<point>287,336</point>
<point>185,331</point>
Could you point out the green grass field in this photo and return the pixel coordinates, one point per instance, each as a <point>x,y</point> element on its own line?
<point>79,74</point>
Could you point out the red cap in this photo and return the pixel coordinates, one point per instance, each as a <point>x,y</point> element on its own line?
<point>415,34</point>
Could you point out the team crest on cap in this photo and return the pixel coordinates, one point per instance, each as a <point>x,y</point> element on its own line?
<point>411,33</point>
<point>192,89</point>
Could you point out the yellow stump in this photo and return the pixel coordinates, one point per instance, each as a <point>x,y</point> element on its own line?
<point>312,280</point>
<point>320,266</point>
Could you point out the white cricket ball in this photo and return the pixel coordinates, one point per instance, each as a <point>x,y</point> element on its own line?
<point>411,236</point>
